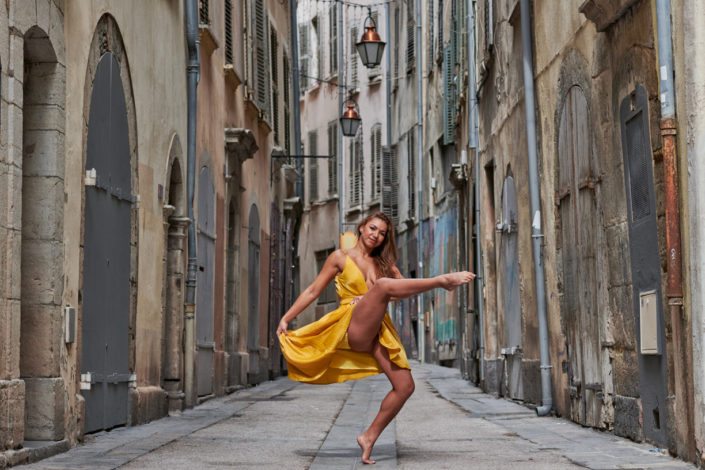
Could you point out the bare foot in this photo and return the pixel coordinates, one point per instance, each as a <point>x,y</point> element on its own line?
<point>366,447</point>
<point>452,280</point>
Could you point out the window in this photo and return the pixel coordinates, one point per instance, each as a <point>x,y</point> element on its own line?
<point>328,295</point>
<point>273,48</point>
<point>410,152</point>
<point>304,56</point>
<point>410,37</point>
<point>376,154</point>
<point>333,160</point>
<point>228,32</point>
<point>390,184</point>
<point>333,52</point>
<point>312,167</point>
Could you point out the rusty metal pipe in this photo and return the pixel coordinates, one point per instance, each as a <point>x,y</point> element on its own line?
<point>674,288</point>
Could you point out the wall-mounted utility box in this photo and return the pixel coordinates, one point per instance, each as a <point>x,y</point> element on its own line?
<point>69,324</point>
<point>648,322</point>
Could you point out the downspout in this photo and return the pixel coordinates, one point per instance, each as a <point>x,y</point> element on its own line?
<point>341,92</point>
<point>419,177</point>
<point>193,69</point>
<point>674,287</point>
<point>388,91</point>
<point>474,138</point>
<point>297,150</point>
<point>536,235</point>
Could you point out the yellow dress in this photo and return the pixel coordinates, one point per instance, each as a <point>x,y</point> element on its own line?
<point>319,353</point>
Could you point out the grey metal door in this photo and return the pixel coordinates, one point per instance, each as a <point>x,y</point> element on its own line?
<point>512,350</point>
<point>205,280</point>
<point>106,255</point>
<point>645,260</point>
<point>579,222</point>
<point>253,247</point>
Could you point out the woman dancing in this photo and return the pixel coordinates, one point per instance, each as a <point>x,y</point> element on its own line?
<point>358,339</point>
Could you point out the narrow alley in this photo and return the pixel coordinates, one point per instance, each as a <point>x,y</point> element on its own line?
<point>280,424</point>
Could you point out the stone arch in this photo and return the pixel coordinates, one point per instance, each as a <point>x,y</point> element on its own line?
<point>108,75</point>
<point>175,194</point>
<point>42,253</point>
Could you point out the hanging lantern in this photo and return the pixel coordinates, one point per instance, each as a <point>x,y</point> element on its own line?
<point>350,120</point>
<point>371,46</point>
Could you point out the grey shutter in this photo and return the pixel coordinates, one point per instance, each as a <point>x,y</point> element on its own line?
<point>448,97</point>
<point>333,160</point>
<point>396,43</point>
<point>287,94</point>
<point>376,166</point>
<point>440,27</point>
<point>273,47</point>
<point>390,184</point>
<point>261,58</point>
<point>353,58</point>
<point>374,72</point>
<point>333,38</point>
<point>318,29</point>
<point>430,44</point>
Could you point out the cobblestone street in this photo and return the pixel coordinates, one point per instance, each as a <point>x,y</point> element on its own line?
<point>447,424</point>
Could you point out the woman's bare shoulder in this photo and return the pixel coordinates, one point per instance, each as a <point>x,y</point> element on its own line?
<point>338,257</point>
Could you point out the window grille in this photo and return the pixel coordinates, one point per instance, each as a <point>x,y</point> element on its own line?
<point>203,16</point>
<point>228,32</point>
<point>313,167</point>
<point>333,160</point>
<point>410,37</point>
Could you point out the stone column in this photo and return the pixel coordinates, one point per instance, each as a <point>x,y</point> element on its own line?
<point>174,317</point>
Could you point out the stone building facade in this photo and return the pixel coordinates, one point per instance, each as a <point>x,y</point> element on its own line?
<point>94,211</point>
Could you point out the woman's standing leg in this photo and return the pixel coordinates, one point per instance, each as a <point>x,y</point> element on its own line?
<point>402,388</point>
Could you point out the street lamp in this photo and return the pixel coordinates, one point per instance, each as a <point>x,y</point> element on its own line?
<point>371,45</point>
<point>350,120</point>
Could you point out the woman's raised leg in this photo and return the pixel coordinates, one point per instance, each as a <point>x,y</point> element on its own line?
<point>402,388</point>
<point>369,311</point>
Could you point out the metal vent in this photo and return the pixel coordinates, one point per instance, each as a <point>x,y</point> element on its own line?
<point>638,169</point>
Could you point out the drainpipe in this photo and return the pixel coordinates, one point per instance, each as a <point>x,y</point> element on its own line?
<point>341,91</point>
<point>536,235</point>
<point>474,138</point>
<point>388,91</point>
<point>674,287</point>
<point>193,74</point>
<point>419,178</point>
<point>297,150</point>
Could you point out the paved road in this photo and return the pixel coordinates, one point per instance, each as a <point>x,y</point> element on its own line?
<point>447,424</point>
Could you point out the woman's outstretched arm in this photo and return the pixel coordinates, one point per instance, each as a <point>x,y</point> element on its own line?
<point>332,267</point>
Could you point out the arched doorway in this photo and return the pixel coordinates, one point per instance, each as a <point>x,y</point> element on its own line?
<point>205,280</point>
<point>107,251</point>
<point>253,301</point>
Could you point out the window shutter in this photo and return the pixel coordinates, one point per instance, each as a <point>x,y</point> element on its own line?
<point>390,184</point>
<point>429,61</point>
<point>353,57</point>
<point>333,16</point>
<point>261,58</point>
<point>333,160</point>
<point>313,167</point>
<point>228,32</point>
<point>410,141</point>
<point>448,97</point>
<point>359,170</point>
<point>440,27</point>
<point>355,177</point>
<point>410,36</point>
<point>396,43</point>
<point>376,167</point>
